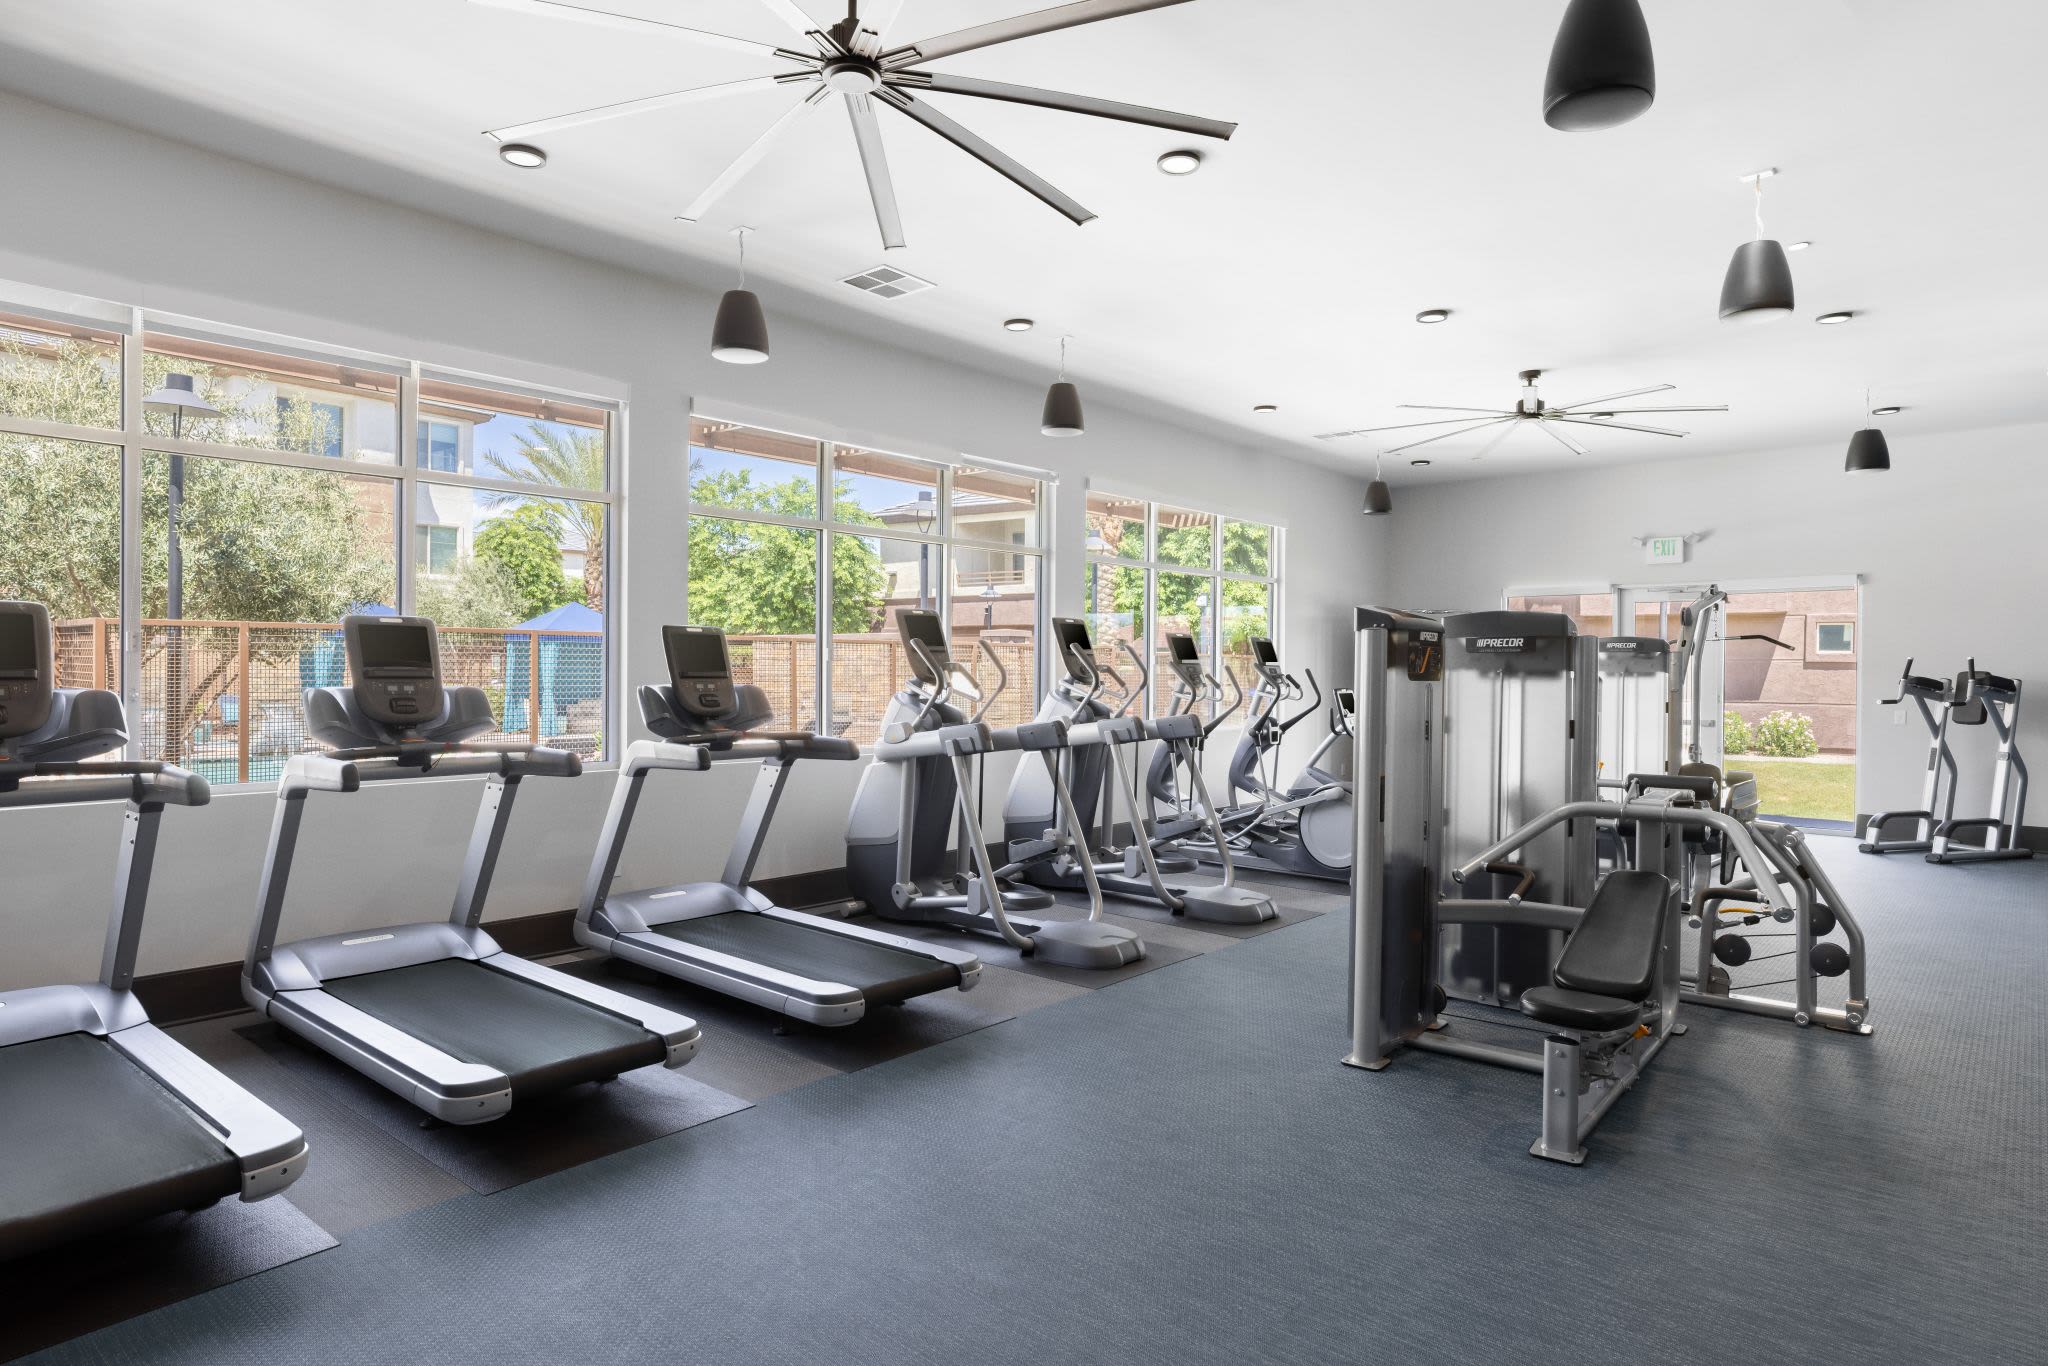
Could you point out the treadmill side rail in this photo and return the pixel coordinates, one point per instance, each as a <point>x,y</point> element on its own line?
<point>445,1087</point>
<point>269,1147</point>
<point>678,1033</point>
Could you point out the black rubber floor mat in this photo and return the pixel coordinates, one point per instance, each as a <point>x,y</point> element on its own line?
<point>68,1291</point>
<point>540,1136</point>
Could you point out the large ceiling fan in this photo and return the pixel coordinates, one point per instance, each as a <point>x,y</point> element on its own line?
<point>849,59</point>
<point>1500,423</point>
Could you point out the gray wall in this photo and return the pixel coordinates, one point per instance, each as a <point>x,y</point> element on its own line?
<point>121,215</point>
<point>1949,545</point>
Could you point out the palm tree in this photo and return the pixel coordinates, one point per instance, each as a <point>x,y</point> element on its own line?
<point>551,454</point>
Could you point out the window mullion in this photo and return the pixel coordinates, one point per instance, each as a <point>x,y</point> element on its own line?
<point>130,557</point>
<point>821,685</point>
<point>408,487</point>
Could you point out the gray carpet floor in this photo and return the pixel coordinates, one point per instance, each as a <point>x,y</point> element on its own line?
<point>1178,1170</point>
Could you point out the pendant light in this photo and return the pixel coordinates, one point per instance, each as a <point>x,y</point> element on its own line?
<point>1758,286</point>
<point>739,334</point>
<point>1379,499</point>
<point>1869,453</point>
<point>1602,72</point>
<point>1062,415</point>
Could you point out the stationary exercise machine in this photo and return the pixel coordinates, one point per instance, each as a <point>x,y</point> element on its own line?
<point>104,1119</point>
<point>1303,828</point>
<point>1100,769</point>
<point>1606,1003</point>
<point>1982,697</point>
<point>916,851</point>
<point>726,935</point>
<point>1935,700</point>
<point>435,1011</point>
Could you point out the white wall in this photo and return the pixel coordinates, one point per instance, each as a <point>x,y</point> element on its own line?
<point>1949,545</point>
<point>109,212</point>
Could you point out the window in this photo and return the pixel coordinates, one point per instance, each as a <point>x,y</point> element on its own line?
<point>1834,638</point>
<point>901,533</point>
<point>1213,578</point>
<point>439,447</point>
<point>440,549</point>
<point>269,493</point>
<point>1592,613</point>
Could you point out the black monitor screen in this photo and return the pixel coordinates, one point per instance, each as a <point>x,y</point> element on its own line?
<point>697,654</point>
<point>1071,636</point>
<point>924,628</point>
<point>1183,646</point>
<point>400,646</point>
<point>18,645</point>
<point>1263,652</point>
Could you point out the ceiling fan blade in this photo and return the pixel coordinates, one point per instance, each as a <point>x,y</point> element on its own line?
<point>747,160</point>
<point>1609,398</point>
<point>791,13</point>
<point>1703,408</point>
<point>1445,436</point>
<point>1074,104</point>
<point>631,23</point>
<point>1503,434</point>
<point>881,14</point>
<point>1434,422</point>
<point>1021,26</point>
<point>1447,408</point>
<point>975,146</point>
<point>514,131</point>
<point>1618,426</point>
<point>1550,430</point>
<point>874,160</point>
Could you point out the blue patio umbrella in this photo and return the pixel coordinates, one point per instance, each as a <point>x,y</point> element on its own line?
<point>570,651</point>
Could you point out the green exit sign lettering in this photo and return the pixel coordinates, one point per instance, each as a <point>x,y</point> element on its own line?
<point>1664,550</point>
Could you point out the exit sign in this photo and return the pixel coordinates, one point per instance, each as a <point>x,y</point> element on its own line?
<point>1664,550</point>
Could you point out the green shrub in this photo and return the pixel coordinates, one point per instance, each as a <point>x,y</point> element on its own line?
<point>1735,736</point>
<point>1786,735</point>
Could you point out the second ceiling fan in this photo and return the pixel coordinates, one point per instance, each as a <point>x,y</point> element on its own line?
<point>1500,423</point>
<point>851,60</point>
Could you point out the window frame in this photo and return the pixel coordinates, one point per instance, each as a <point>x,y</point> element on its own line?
<point>1152,567</point>
<point>942,536</point>
<point>131,325</point>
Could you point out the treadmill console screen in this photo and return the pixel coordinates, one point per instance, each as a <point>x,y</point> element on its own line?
<point>1071,635</point>
<point>25,680</point>
<point>396,665</point>
<point>917,627</point>
<point>699,670</point>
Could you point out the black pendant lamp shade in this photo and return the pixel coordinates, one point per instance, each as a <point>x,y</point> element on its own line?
<point>1379,499</point>
<point>1062,415</point>
<point>1868,453</point>
<point>1758,285</point>
<point>1602,72</point>
<point>739,335</point>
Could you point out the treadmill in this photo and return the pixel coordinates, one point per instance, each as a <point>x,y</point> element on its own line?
<point>106,1120</point>
<point>435,1011</point>
<point>726,935</point>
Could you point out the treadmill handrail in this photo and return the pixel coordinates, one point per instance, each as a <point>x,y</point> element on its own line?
<point>644,756</point>
<point>62,783</point>
<point>305,773</point>
<point>436,759</point>
<point>725,746</point>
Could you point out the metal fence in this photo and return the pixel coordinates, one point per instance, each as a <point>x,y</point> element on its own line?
<point>224,697</point>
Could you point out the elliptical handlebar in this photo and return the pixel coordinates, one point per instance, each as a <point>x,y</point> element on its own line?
<point>988,699</point>
<point>1095,683</point>
<point>1237,699</point>
<point>1144,677</point>
<point>1312,709</point>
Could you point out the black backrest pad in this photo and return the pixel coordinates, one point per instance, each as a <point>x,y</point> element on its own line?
<point>1613,952</point>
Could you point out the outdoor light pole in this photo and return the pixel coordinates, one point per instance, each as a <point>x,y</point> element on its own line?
<point>177,397</point>
<point>988,604</point>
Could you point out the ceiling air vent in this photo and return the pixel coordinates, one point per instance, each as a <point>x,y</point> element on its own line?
<point>886,282</point>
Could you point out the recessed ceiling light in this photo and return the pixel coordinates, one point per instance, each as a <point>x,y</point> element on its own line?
<point>1886,411</point>
<point>524,155</point>
<point>1832,319</point>
<point>1797,246</point>
<point>1432,315</point>
<point>1017,324</point>
<point>1263,409</point>
<point>1418,462</point>
<point>1181,163</point>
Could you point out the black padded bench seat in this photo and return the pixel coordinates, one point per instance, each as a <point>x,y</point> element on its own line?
<point>1609,964</point>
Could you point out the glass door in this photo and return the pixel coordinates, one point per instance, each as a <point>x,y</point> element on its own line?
<point>1660,613</point>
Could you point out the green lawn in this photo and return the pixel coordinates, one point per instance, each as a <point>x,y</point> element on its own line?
<point>1818,791</point>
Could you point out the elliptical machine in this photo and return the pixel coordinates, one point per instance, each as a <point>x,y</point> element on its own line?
<point>899,859</point>
<point>1304,828</point>
<point>1937,797</point>
<point>1100,775</point>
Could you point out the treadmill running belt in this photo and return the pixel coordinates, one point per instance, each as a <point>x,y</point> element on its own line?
<point>879,972</point>
<point>539,1038</point>
<point>92,1142</point>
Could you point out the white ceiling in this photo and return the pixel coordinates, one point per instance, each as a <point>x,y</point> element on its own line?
<point>1391,157</point>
